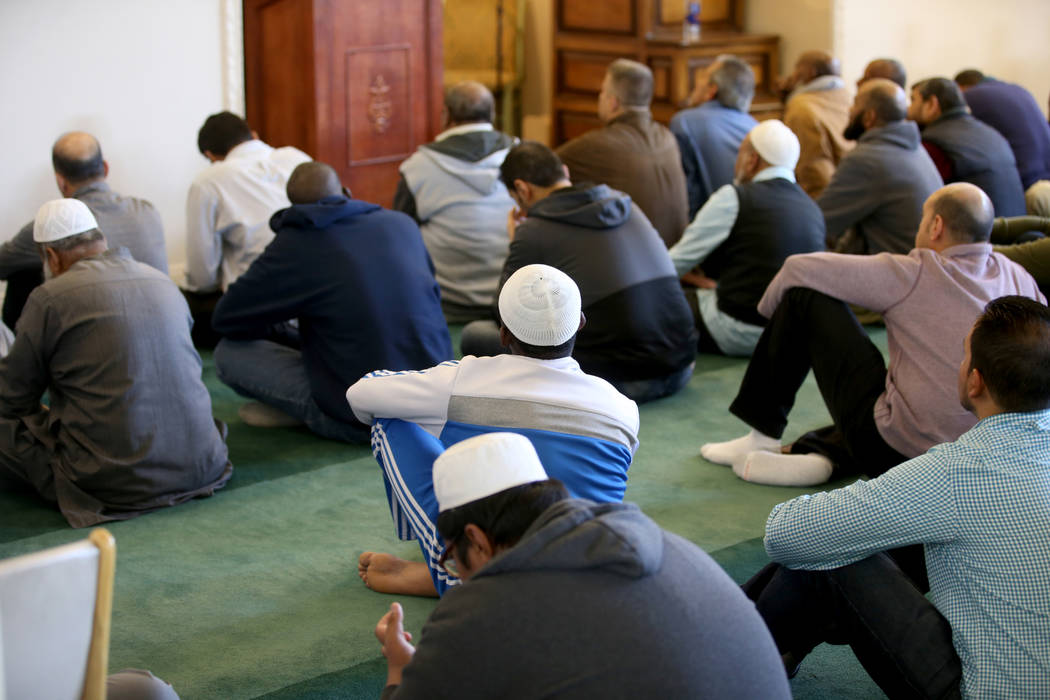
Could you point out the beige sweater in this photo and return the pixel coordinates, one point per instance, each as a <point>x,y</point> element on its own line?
<point>818,118</point>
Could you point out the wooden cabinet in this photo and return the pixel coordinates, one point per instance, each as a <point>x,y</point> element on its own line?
<point>354,83</point>
<point>589,35</point>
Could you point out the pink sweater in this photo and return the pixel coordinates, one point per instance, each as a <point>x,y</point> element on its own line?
<point>929,301</point>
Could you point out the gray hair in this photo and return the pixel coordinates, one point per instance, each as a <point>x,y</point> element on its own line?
<point>735,81</point>
<point>469,101</point>
<point>71,242</point>
<point>631,82</point>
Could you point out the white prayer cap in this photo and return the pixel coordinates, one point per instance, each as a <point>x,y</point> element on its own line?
<point>776,143</point>
<point>540,305</point>
<point>62,218</point>
<point>482,466</point>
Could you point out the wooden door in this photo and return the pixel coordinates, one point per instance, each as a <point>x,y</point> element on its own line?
<point>355,83</point>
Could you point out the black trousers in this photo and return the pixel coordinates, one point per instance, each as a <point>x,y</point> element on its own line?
<point>877,608</point>
<point>810,330</point>
<point>201,307</point>
<point>19,286</point>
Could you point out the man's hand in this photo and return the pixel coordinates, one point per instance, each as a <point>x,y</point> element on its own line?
<point>514,217</point>
<point>390,632</point>
<point>697,278</point>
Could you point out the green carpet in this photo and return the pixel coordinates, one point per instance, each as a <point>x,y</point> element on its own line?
<point>254,592</point>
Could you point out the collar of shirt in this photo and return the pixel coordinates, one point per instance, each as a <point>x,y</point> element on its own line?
<point>463,129</point>
<point>962,249</point>
<point>774,171</point>
<point>96,186</point>
<point>824,82</point>
<point>249,149</point>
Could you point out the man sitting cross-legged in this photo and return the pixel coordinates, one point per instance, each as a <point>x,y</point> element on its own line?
<point>929,298</point>
<point>568,598</point>
<point>981,508</point>
<point>585,430</point>
<point>361,285</point>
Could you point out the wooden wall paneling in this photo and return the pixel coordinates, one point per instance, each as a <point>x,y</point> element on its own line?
<point>279,86</point>
<point>667,16</point>
<point>609,16</point>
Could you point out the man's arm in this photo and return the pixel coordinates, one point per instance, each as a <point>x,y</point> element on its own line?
<point>417,396</point>
<point>405,201</point>
<point>876,282</point>
<point>707,231</point>
<point>24,374</point>
<point>696,180</point>
<point>816,163</point>
<point>848,198</point>
<point>203,240</point>
<point>909,504</point>
<point>268,292</point>
<point>19,253</point>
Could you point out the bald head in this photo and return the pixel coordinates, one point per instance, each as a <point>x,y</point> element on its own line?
<point>469,102</point>
<point>888,68</point>
<point>313,181</point>
<point>77,159</point>
<point>885,98</point>
<point>815,64</point>
<point>965,210</point>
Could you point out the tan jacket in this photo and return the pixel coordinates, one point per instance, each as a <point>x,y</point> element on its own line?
<point>636,155</point>
<point>818,118</point>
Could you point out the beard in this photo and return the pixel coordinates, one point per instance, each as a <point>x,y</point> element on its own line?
<point>855,129</point>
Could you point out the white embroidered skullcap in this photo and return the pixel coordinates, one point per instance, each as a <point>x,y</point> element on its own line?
<point>62,218</point>
<point>482,466</point>
<point>540,305</point>
<point>776,143</point>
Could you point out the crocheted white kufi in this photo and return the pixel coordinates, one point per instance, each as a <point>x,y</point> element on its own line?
<point>484,465</point>
<point>62,218</point>
<point>776,143</point>
<point>540,305</point>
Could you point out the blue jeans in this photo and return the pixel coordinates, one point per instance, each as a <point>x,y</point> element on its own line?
<point>275,375</point>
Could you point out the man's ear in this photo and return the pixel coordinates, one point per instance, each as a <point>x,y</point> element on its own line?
<point>583,322</point>
<point>479,541</point>
<point>937,228</point>
<point>504,336</point>
<point>975,386</point>
<point>565,169</point>
<point>523,190</point>
<point>105,169</point>
<point>212,158</point>
<point>53,261</point>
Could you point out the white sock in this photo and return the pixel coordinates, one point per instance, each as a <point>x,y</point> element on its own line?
<point>736,451</point>
<point>775,469</point>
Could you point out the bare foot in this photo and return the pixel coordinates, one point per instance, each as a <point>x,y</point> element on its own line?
<point>385,573</point>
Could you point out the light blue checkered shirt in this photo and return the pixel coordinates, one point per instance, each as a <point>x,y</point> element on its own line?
<point>981,505</point>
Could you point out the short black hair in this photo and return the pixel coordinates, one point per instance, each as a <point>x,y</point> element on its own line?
<point>504,516</point>
<point>221,132</point>
<point>1010,347</point>
<point>947,92</point>
<point>533,163</point>
<point>969,77</point>
<point>78,170</point>
<point>966,224</point>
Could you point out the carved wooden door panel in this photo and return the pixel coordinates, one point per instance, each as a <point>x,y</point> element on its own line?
<point>355,83</point>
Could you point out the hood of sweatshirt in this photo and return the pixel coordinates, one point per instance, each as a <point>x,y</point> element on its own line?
<point>321,214</point>
<point>473,158</point>
<point>902,134</point>
<point>586,204</point>
<point>576,534</point>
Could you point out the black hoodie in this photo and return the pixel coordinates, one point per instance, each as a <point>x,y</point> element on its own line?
<point>639,325</point>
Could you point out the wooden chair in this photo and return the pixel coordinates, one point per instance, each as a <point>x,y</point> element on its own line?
<point>55,610</point>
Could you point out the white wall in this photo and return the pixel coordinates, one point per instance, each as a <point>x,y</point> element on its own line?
<point>1004,38</point>
<point>803,25</point>
<point>141,75</point>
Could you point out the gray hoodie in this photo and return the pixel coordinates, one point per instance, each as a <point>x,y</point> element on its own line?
<point>452,188</point>
<point>878,190</point>
<point>596,601</point>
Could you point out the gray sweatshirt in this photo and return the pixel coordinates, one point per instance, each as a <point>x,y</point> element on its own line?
<point>877,192</point>
<point>596,601</point>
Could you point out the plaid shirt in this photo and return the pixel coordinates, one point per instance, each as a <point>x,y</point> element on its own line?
<point>981,506</point>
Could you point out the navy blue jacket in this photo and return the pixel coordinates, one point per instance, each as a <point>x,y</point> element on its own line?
<point>1013,112</point>
<point>362,286</point>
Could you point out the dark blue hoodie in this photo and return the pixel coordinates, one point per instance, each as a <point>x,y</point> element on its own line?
<point>362,286</point>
